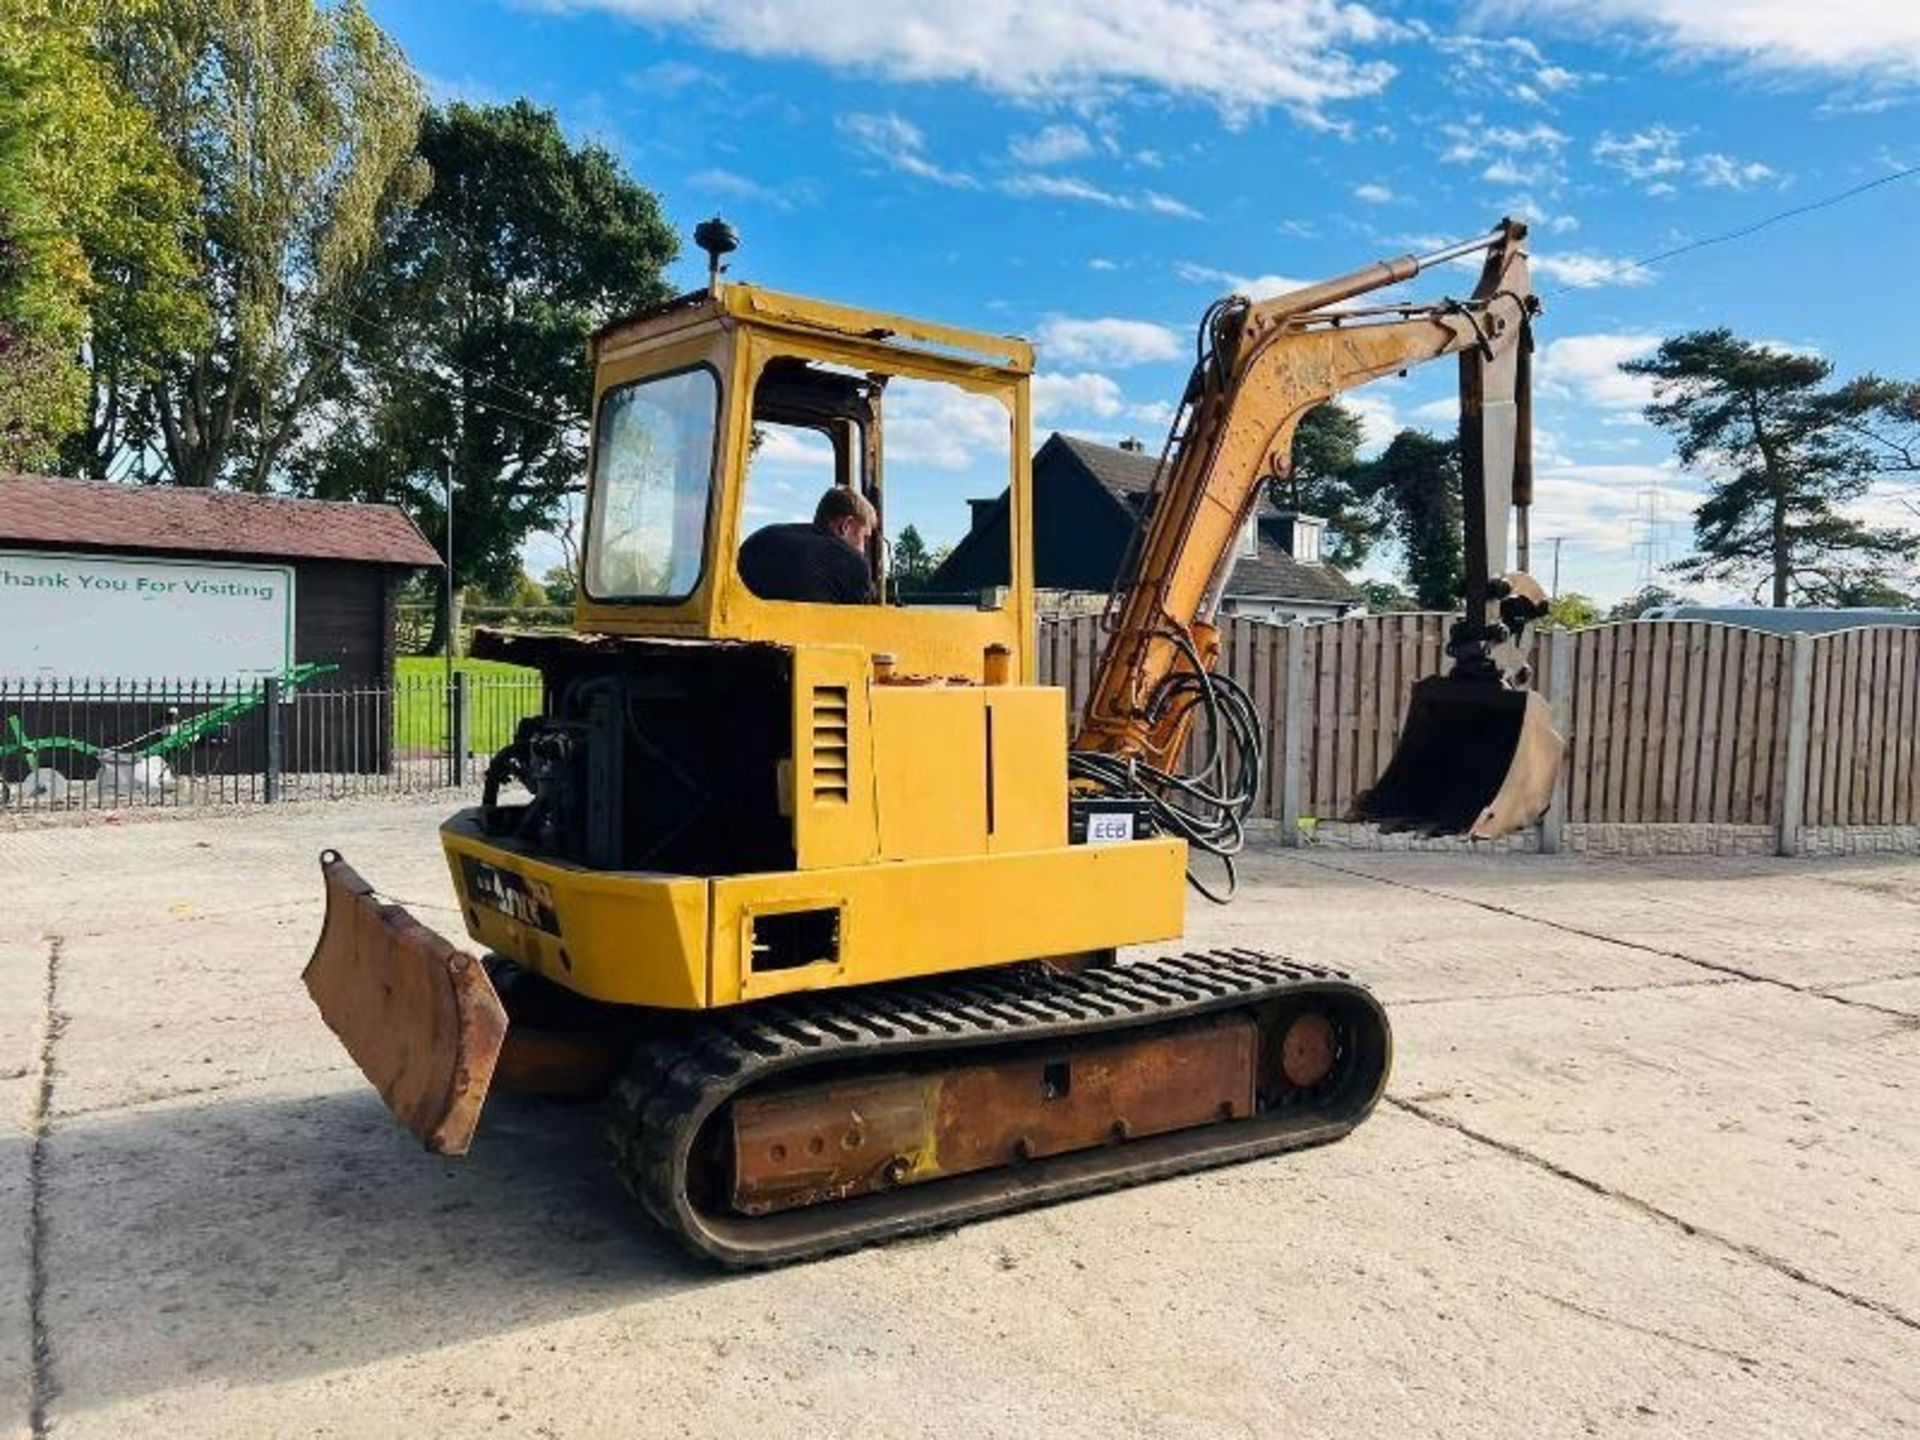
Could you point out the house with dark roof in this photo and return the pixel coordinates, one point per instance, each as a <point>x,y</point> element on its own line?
<point>1089,499</point>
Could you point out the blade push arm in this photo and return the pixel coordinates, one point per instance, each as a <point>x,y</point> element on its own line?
<point>1265,365</point>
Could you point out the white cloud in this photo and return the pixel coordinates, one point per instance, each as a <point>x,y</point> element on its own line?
<point>734,186</point>
<point>942,426</point>
<point>1509,67</point>
<point>1531,210</point>
<point>461,89</point>
<point>1654,158</point>
<point>1239,57</point>
<point>1475,140</point>
<point>1159,204</point>
<point>1071,187</point>
<point>1576,270</point>
<point>900,145</point>
<point>1373,193</point>
<point>1379,420</point>
<point>1532,155</point>
<point>1586,369</point>
<point>1725,172</point>
<point>1650,154</point>
<point>1052,145</point>
<point>670,77</point>
<point>1099,263</point>
<point>1254,287</point>
<point>1085,392</point>
<point>1599,512</point>
<point>1063,187</point>
<point>1107,341</point>
<point>788,447</point>
<point>1847,38</point>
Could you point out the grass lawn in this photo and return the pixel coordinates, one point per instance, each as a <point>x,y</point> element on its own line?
<point>498,696</point>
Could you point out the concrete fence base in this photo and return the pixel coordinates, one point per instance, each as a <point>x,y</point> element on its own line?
<point>1614,839</point>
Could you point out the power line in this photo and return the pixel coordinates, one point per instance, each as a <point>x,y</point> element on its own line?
<point>392,332</point>
<point>427,383</point>
<point>1741,232</point>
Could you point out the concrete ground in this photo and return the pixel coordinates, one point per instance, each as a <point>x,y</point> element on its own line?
<point>1650,1164</point>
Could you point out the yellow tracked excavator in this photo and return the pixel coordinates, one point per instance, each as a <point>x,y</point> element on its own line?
<point>820,897</point>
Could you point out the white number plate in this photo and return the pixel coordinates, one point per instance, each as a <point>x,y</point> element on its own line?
<point>1106,829</point>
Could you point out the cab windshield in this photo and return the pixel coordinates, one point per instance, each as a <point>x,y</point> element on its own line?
<point>652,478</point>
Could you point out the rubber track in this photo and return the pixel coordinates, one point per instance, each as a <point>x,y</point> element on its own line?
<point>674,1085</point>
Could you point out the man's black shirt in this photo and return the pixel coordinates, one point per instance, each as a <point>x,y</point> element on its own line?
<point>800,562</point>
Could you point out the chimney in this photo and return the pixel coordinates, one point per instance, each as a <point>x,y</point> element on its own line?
<point>1131,444</point>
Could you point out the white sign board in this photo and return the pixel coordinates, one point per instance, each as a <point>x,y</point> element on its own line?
<point>107,617</point>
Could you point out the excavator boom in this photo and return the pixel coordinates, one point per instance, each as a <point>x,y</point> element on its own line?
<point>1263,366</point>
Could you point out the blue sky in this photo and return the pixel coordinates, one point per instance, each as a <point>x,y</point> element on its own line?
<point>1091,173</point>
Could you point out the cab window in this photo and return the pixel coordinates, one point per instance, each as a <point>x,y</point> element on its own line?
<point>652,479</point>
<point>932,458</point>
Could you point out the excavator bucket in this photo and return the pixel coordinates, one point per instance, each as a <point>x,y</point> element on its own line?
<point>1474,758</point>
<point>420,1018</point>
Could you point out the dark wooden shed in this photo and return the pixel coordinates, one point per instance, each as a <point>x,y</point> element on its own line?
<point>348,562</point>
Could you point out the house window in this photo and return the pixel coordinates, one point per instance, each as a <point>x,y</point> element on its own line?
<point>1250,538</point>
<point>1306,540</point>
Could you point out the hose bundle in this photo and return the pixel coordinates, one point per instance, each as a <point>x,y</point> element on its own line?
<point>1208,808</point>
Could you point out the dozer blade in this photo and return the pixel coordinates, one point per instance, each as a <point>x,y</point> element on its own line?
<point>420,1018</point>
<point>1474,758</point>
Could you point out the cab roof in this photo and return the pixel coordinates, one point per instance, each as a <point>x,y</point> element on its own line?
<point>923,339</point>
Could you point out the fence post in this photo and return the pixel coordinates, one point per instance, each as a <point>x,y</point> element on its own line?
<point>1553,825</point>
<point>1793,794</point>
<point>270,788</point>
<point>1290,720</point>
<point>457,730</point>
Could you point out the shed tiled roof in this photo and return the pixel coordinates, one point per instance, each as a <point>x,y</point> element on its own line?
<point>98,515</point>
<point>1273,573</point>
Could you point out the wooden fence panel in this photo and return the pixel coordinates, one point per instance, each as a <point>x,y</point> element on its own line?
<point>1669,721</point>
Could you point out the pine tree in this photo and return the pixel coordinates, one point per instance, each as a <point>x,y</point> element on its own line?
<point>1783,455</point>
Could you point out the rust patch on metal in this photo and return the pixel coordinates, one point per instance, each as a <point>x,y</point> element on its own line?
<point>419,1017</point>
<point>856,1136</point>
<point>1306,1050</point>
<point>559,1062</point>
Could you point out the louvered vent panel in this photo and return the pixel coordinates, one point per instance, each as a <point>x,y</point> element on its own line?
<point>830,741</point>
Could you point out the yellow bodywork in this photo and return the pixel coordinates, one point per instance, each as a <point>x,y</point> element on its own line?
<point>928,806</point>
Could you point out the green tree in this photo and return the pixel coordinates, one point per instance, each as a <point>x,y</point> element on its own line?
<point>469,349</point>
<point>519,592</point>
<point>1416,485</point>
<point>913,563</point>
<point>296,121</point>
<point>1571,610</point>
<point>560,585</point>
<point>1320,481</point>
<point>1783,454</point>
<point>1648,597</point>
<point>1884,416</point>
<point>91,206</point>
<point>1383,597</point>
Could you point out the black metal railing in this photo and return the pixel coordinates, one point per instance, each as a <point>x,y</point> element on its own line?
<point>304,735</point>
